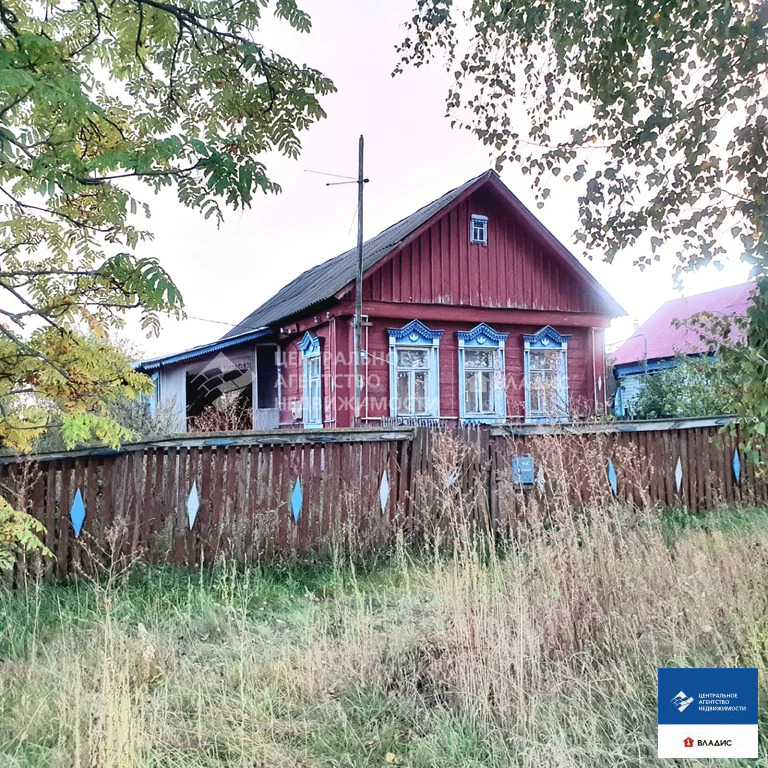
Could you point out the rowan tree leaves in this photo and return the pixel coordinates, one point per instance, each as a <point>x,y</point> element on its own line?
<point>102,104</point>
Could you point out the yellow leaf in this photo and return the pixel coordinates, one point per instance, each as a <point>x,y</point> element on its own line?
<point>391,757</point>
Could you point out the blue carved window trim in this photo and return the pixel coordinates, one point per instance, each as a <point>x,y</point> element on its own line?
<point>478,229</point>
<point>415,336</point>
<point>557,409</point>
<point>312,381</point>
<point>483,337</point>
<point>152,399</point>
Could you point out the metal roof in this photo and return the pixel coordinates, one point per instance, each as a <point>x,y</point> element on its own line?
<point>204,349</point>
<point>324,281</point>
<point>665,339</point>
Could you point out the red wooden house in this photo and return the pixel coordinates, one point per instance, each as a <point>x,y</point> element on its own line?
<point>472,310</point>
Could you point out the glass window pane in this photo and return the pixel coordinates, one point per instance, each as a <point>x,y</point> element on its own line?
<point>470,392</point>
<point>403,404</point>
<point>479,358</point>
<point>538,388</point>
<point>314,401</point>
<point>486,392</point>
<point>546,359</point>
<point>420,392</point>
<point>412,358</point>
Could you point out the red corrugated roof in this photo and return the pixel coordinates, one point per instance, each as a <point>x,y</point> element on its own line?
<point>667,340</point>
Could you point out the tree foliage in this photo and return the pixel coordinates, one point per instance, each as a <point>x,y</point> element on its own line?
<point>101,102</point>
<point>19,532</point>
<point>699,386</point>
<point>747,365</point>
<point>658,109</point>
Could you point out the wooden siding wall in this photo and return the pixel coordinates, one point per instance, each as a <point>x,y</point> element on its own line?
<point>291,374</point>
<point>513,271</point>
<point>581,368</point>
<point>245,488</point>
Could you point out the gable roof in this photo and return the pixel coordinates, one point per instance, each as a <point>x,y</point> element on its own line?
<point>326,280</point>
<point>665,339</point>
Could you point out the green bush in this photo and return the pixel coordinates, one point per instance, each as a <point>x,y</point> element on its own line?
<point>697,386</point>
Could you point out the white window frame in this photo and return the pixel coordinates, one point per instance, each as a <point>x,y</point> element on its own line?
<point>478,229</point>
<point>547,339</point>
<point>310,355</point>
<point>484,337</point>
<point>416,335</point>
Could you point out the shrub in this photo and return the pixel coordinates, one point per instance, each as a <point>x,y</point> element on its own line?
<point>698,386</point>
<point>227,414</point>
<point>19,532</point>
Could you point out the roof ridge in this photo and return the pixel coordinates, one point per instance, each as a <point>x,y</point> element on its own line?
<point>374,245</point>
<point>711,290</point>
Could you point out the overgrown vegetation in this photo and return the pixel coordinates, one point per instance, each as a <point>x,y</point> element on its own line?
<point>535,648</point>
<point>696,386</point>
<point>229,412</point>
<point>99,101</point>
<point>658,111</point>
<point>542,657</point>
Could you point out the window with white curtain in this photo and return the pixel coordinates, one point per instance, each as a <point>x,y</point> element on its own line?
<point>414,373</point>
<point>482,380</point>
<point>546,376</point>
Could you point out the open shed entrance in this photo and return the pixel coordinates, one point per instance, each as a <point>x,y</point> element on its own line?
<point>220,394</point>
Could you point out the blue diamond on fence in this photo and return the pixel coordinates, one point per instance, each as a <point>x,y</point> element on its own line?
<point>612,479</point>
<point>297,498</point>
<point>384,491</point>
<point>679,474</point>
<point>736,465</point>
<point>193,504</point>
<point>77,513</point>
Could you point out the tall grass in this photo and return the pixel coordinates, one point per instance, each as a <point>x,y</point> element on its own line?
<point>540,649</point>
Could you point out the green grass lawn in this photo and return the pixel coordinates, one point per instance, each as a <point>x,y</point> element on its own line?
<point>542,653</point>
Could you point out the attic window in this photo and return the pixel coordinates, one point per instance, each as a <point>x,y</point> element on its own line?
<point>478,229</point>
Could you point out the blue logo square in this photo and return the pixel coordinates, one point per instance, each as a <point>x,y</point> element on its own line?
<point>713,696</point>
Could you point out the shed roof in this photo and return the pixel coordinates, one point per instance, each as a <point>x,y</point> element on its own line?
<point>666,339</point>
<point>326,280</point>
<point>201,350</point>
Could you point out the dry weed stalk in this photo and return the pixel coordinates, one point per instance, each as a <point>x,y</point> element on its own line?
<point>586,586</point>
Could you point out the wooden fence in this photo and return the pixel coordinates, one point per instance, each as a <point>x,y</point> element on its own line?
<point>191,499</point>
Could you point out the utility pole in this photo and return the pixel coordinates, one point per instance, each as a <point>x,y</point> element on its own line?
<point>357,322</point>
<point>359,291</point>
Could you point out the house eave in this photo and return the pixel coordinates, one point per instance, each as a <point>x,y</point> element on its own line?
<point>156,363</point>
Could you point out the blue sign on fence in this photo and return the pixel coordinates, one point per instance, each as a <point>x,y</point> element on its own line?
<point>523,470</point>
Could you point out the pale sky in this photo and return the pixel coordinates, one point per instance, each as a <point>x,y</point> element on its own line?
<point>412,157</point>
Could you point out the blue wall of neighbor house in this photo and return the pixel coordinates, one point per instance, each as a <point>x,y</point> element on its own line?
<point>630,380</point>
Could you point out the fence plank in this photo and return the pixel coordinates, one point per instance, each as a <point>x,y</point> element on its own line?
<point>245,488</point>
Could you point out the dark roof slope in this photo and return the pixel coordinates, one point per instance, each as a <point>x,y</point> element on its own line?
<point>327,279</point>
<point>324,281</point>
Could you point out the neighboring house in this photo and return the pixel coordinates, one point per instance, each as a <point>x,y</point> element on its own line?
<point>666,337</point>
<point>472,311</point>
